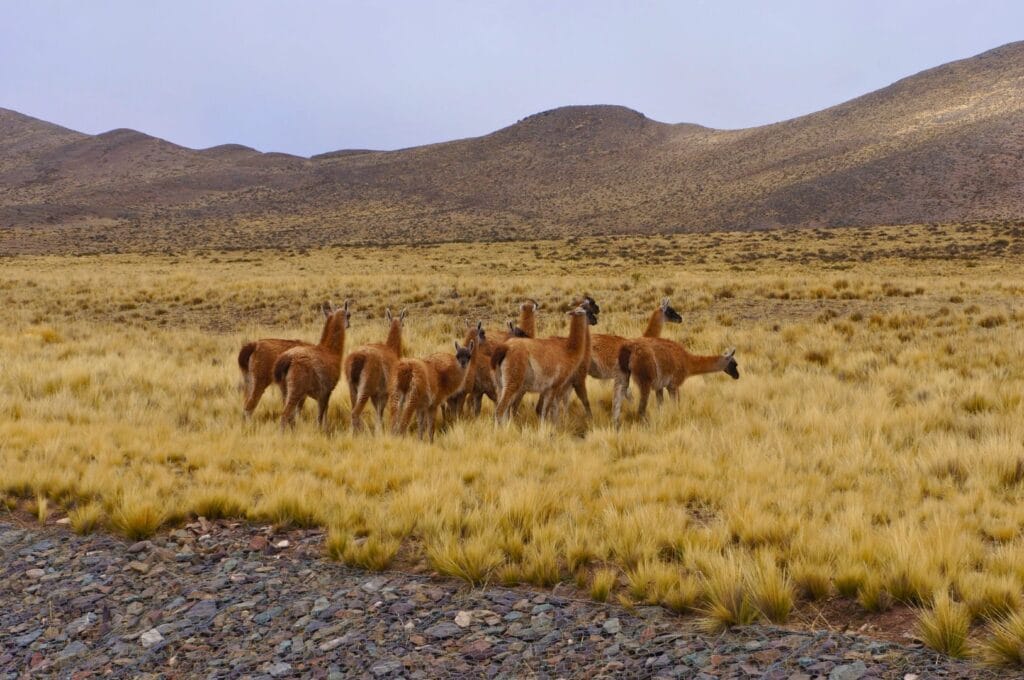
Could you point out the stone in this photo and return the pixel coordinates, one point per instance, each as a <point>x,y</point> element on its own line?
<point>442,631</point>
<point>35,573</point>
<point>28,638</point>
<point>150,638</point>
<point>140,567</point>
<point>203,609</point>
<point>463,619</point>
<point>850,671</point>
<point>612,626</point>
<point>386,667</point>
<point>279,669</point>
<point>80,624</point>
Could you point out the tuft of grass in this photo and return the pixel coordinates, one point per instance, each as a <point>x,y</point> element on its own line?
<point>86,518</point>
<point>472,560</point>
<point>989,596</point>
<point>812,581</point>
<point>136,518</point>
<point>1005,645</point>
<point>219,504</point>
<point>602,583</point>
<point>684,595</point>
<point>374,553</point>
<point>42,510</point>
<point>873,596</point>
<point>850,579</point>
<point>770,589</point>
<point>727,603</point>
<point>945,625</point>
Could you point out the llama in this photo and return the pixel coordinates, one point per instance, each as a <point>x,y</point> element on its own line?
<point>656,364</point>
<point>421,386</point>
<point>483,382</point>
<point>604,351</point>
<point>545,365</point>
<point>313,371</point>
<point>256,361</point>
<point>368,371</point>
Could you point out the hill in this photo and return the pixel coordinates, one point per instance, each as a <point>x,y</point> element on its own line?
<point>944,145</point>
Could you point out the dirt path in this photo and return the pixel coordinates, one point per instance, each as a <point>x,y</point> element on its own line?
<point>223,600</point>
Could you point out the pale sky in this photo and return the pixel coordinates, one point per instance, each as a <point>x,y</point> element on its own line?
<point>309,77</point>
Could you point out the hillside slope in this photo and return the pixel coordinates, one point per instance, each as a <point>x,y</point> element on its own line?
<point>944,145</point>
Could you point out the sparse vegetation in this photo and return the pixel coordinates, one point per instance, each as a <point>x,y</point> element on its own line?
<point>888,472</point>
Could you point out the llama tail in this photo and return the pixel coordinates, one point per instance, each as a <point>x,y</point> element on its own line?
<point>498,356</point>
<point>281,367</point>
<point>355,368</point>
<point>243,356</point>
<point>403,378</point>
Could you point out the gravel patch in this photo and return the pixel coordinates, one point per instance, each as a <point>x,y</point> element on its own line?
<point>210,599</point>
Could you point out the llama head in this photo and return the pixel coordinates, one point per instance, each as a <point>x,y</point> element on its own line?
<point>515,331</point>
<point>669,313</point>
<point>590,306</point>
<point>530,305</point>
<point>732,369</point>
<point>391,319</point>
<point>464,355</point>
<point>327,307</point>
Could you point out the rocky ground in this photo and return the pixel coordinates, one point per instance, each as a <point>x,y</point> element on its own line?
<point>229,600</point>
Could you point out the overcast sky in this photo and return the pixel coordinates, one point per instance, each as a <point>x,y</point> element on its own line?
<point>309,77</point>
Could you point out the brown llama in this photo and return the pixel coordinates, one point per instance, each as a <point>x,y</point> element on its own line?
<point>579,379</point>
<point>483,382</point>
<point>604,351</point>
<point>368,371</point>
<point>256,361</point>
<point>421,386</point>
<point>313,371</point>
<point>542,365</point>
<point>656,364</point>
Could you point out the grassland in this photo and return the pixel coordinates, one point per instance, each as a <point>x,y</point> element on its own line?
<point>873,449</point>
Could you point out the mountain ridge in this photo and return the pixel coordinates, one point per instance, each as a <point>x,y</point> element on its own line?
<point>943,145</point>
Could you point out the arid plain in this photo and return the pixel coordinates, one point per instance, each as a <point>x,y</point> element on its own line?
<point>872,451</point>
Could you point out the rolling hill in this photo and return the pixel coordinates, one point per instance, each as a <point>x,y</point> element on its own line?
<point>944,145</point>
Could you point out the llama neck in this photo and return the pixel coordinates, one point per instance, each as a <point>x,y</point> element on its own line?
<point>655,324</point>
<point>697,365</point>
<point>528,321</point>
<point>394,341</point>
<point>451,376</point>
<point>579,335</point>
<point>333,338</point>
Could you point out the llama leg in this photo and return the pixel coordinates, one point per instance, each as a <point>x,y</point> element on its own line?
<point>620,391</point>
<point>321,417</point>
<point>505,401</point>
<point>290,407</point>
<point>431,420</point>
<point>542,405</point>
<point>256,389</point>
<point>660,394</point>
<point>379,402</point>
<point>581,393</point>
<point>645,394</point>
<point>357,409</point>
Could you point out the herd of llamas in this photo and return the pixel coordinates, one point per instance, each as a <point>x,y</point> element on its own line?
<point>502,365</point>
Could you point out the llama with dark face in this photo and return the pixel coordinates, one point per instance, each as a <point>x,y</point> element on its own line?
<point>369,370</point>
<point>604,350</point>
<point>656,364</point>
<point>420,386</point>
<point>313,371</point>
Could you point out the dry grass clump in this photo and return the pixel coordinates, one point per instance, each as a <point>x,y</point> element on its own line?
<point>86,518</point>
<point>1004,645</point>
<point>875,455</point>
<point>945,625</point>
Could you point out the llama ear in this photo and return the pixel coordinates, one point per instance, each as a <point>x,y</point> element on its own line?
<point>346,304</point>
<point>511,325</point>
<point>401,315</point>
<point>729,352</point>
<point>664,303</point>
<point>458,346</point>
<point>471,346</point>
<point>536,305</point>
<point>387,314</point>
<point>326,308</point>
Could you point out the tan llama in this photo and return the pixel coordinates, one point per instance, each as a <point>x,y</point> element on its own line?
<point>368,371</point>
<point>656,364</point>
<point>604,351</point>
<point>421,386</point>
<point>542,365</point>
<point>312,371</point>
<point>256,361</point>
<point>483,382</point>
